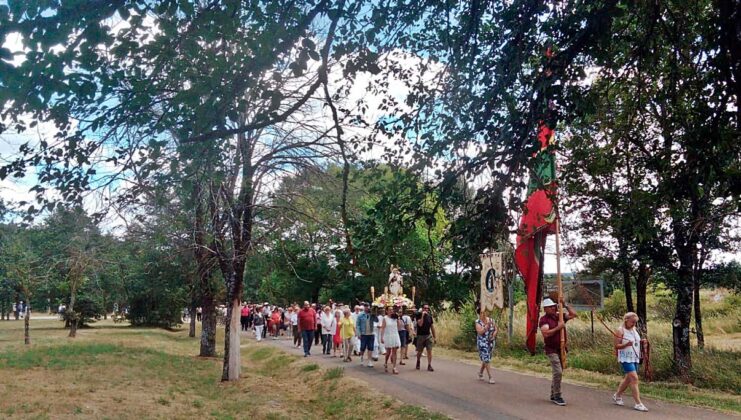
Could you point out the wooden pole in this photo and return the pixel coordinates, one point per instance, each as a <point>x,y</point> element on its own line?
<point>560,291</point>
<point>373,294</point>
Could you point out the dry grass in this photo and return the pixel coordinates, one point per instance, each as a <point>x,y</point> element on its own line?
<point>112,371</point>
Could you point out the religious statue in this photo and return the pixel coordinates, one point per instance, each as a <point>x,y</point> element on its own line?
<point>396,282</point>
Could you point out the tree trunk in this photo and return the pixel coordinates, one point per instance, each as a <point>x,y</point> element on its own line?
<point>698,313</point>
<point>681,325</point>
<point>641,285</point>
<point>192,328</point>
<point>105,307</point>
<point>208,326</point>
<point>232,357</point>
<point>72,314</point>
<point>26,321</point>
<point>628,288</point>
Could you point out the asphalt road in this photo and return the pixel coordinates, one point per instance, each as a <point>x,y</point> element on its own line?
<point>453,389</point>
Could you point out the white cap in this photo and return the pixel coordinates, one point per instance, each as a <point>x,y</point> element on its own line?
<point>548,302</point>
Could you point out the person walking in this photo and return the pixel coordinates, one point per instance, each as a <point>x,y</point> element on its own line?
<point>337,337</point>
<point>390,337</point>
<point>628,347</point>
<point>259,323</point>
<point>378,349</point>
<point>551,327</point>
<point>307,326</point>
<point>294,326</point>
<point>356,339</point>
<point>486,334</point>
<point>275,321</point>
<point>347,332</point>
<point>403,335</point>
<point>318,332</point>
<point>364,328</point>
<point>329,326</point>
<point>407,321</point>
<point>244,316</point>
<point>425,336</point>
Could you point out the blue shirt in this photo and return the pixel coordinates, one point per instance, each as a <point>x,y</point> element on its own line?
<point>364,324</point>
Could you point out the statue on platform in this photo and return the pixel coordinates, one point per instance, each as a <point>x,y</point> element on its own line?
<point>396,282</point>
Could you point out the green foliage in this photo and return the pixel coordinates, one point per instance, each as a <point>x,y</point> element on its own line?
<point>614,306</point>
<point>466,338</point>
<point>88,308</point>
<point>334,373</point>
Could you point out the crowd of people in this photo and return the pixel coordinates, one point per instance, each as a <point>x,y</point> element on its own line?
<point>345,331</point>
<point>372,334</point>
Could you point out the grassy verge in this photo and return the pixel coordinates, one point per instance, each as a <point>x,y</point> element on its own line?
<point>114,372</point>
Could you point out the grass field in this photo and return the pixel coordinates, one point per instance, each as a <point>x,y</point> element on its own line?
<point>716,369</point>
<point>114,371</point>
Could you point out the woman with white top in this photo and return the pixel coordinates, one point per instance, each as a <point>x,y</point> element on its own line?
<point>390,337</point>
<point>378,348</point>
<point>329,327</point>
<point>628,347</point>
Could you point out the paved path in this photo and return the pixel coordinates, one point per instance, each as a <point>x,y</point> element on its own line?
<point>454,390</point>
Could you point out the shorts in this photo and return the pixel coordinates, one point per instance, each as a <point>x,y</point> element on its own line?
<point>404,337</point>
<point>424,342</point>
<point>366,342</point>
<point>629,367</point>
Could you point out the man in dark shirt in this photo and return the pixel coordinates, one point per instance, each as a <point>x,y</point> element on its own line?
<point>551,327</point>
<point>307,326</point>
<point>425,336</point>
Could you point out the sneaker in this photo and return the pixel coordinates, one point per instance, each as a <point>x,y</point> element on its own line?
<point>429,368</point>
<point>417,367</point>
<point>640,407</point>
<point>361,359</point>
<point>618,401</point>
<point>492,381</point>
<point>558,401</point>
<point>481,376</point>
<point>370,364</point>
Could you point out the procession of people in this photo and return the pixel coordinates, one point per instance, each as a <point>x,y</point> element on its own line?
<point>383,329</point>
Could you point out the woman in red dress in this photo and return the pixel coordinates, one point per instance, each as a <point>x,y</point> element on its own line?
<point>336,339</point>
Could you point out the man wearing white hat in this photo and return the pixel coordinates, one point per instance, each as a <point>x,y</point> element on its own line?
<point>550,327</point>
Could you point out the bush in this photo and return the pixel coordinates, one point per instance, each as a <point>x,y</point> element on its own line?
<point>466,337</point>
<point>88,308</point>
<point>615,306</point>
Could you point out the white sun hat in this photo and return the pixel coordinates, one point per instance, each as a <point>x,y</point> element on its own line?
<point>548,302</point>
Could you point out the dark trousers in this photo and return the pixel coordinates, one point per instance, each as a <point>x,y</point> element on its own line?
<point>317,336</point>
<point>327,343</point>
<point>243,321</point>
<point>296,336</point>
<point>308,338</point>
<point>265,330</point>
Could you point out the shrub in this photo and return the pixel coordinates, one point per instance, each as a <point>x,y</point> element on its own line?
<point>466,337</point>
<point>615,305</point>
<point>88,308</point>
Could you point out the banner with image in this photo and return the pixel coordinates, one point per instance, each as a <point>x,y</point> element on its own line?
<point>492,284</point>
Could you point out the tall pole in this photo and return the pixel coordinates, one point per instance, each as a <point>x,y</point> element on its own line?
<point>559,284</point>
<point>510,301</point>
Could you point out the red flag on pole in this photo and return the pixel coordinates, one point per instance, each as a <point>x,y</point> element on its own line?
<point>538,220</point>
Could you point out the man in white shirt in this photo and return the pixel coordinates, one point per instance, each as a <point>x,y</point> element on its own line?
<point>354,317</point>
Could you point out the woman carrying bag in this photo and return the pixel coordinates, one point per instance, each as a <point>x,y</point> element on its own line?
<point>486,334</point>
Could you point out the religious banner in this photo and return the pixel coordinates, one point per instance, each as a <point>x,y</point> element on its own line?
<point>492,284</point>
